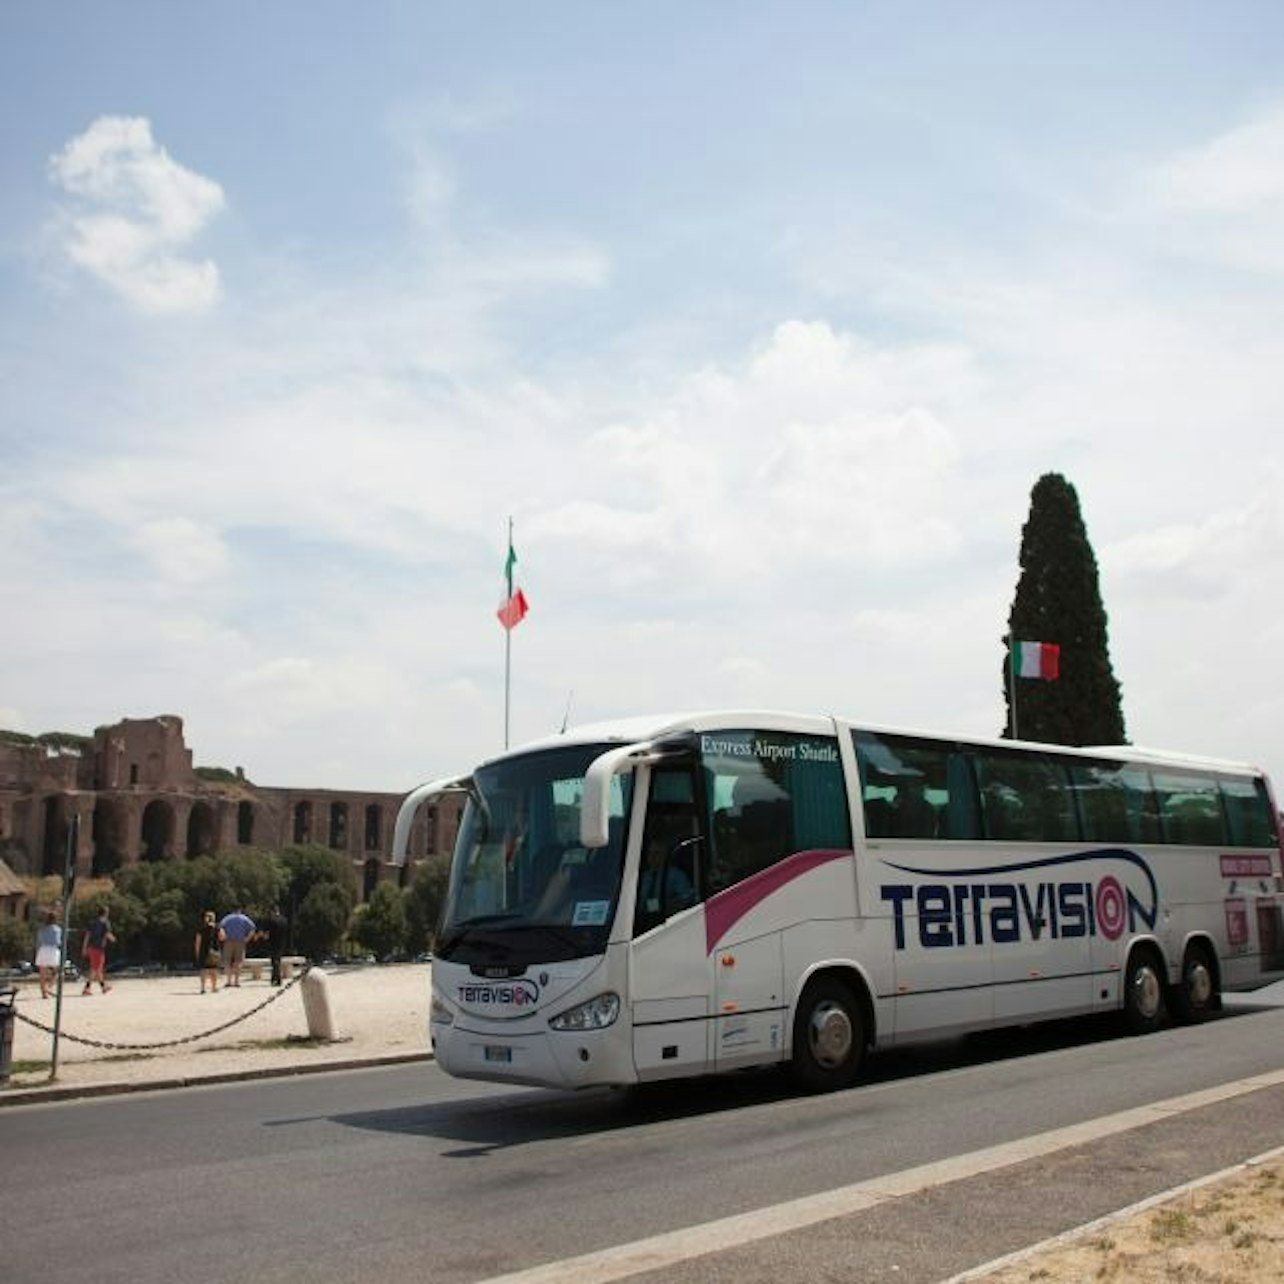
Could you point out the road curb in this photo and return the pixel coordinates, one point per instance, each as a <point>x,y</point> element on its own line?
<point>27,1096</point>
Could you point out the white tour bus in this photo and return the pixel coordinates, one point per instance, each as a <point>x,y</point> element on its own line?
<point>688,895</point>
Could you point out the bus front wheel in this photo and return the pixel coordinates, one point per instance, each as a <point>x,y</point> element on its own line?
<point>1144,1008</point>
<point>1195,996</point>
<point>829,1037</point>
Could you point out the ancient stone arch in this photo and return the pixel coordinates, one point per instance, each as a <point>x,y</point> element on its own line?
<point>110,835</point>
<point>245,823</point>
<point>338,825</point>
<point>303,822</point>
<point>157,830</point>
<point>202,830</point>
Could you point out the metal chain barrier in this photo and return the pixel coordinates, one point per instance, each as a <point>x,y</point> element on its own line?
<point>170,1043</point>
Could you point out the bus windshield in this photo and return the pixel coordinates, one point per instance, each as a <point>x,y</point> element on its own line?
<point>522,889</point>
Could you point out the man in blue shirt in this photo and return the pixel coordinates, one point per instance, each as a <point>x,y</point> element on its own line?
<point>235,930</point>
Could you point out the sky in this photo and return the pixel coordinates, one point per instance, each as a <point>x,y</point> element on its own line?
<point>760,321</point>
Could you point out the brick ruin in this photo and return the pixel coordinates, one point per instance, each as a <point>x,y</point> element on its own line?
<point>138,798</point>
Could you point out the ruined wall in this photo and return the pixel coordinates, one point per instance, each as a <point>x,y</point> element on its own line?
<point>137,797</point>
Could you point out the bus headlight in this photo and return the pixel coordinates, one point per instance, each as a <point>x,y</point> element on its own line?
<point>439,1013</point>
<point>596,1014</point>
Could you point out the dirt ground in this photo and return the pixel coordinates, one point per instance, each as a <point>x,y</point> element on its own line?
<point>1229,1231</point>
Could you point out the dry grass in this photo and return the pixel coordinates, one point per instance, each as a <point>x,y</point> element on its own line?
<point>1231,1232</point>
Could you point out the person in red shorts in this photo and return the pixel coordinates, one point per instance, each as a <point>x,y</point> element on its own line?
<point>98,936</point>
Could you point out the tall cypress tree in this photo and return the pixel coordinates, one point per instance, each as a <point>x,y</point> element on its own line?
<point>1058,599</point>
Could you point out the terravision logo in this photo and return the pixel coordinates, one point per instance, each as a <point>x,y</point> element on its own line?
<point>975,908</point>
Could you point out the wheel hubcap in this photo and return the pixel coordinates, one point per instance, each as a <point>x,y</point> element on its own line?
<point>1146,992</point>
<point>1199,984</point>
<point>831,1035</point>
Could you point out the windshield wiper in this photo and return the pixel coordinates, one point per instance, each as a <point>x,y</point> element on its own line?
<point>458,933</point>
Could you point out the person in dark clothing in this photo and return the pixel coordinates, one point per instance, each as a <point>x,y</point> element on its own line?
<point>276,926</point>
<point>206,946</point>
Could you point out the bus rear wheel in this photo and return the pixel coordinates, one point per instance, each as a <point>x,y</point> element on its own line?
<point>1144,1007</point>
<point>829,1037</point>
<point>1196,996</point>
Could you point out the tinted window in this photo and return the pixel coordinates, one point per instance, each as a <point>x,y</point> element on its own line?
<point>1116,803</point>
<point>1190,808</point>
<point>1025,797</point>
<point>1248,813</point>
<point>770,793</point>
<point>913,788</point>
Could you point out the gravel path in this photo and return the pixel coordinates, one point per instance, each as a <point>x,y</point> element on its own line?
<point>175,1032</point>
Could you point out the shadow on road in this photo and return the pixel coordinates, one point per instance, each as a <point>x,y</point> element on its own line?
<point>497,1120</point>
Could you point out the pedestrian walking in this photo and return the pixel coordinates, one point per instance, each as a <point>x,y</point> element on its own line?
<point>207,951</point>
<point>235,930</point>
<point>276,929</point>
<point>48,953</point>
<point>98,936</point>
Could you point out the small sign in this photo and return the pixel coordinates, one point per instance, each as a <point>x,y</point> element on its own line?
<point>1236,922</point>
<point>1246,867</point>
<point>590,913</point>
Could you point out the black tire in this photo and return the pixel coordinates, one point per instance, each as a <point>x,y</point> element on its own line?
<point>829,1037</point>
<point>1196,996</point>
<point>1144,1006</point>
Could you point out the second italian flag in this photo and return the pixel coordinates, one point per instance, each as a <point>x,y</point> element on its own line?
<point>1036,660</point>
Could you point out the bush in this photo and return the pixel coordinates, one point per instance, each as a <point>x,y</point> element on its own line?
<point>16,940</point>
<point>380,924</point>
<point>424,898</point>
<point>322,920</point>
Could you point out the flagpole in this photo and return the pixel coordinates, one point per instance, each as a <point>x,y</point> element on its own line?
<point>1012,686</point>
<point>508,633</point>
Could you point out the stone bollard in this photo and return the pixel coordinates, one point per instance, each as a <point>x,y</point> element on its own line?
<point>316,1006</point>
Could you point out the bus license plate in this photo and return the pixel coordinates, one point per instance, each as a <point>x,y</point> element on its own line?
<point>498,1052</point>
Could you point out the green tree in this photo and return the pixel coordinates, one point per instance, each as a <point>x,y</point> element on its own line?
<point>424,899</point>
<point>15,940</point>
<point>380,924</point>
<point>128,917</point>
<point>322,919</point>
<point>1058,599</point>
<point>174,895</point>
<point>307,866</point>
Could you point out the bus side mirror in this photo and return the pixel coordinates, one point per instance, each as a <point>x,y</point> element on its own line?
<point>595,804</point>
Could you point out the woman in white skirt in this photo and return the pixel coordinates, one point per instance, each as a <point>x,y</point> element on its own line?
<point>48,952</point>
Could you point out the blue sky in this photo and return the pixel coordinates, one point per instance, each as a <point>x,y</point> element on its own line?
<point>760,320</point>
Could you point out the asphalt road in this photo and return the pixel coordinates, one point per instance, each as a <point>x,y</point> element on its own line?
<point>404,1174</point>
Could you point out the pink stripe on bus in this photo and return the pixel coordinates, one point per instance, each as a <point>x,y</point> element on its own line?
<point>725,909</point>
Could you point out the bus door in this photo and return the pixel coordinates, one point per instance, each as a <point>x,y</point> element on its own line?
<point>668,967</point>
<point>747,957</point>
<point>780,890</point>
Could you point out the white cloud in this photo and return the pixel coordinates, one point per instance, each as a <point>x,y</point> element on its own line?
<point>1240,170</point>
<point>800,455</point>
<point>134,209</point>
<point>1223,199</point>
<point>182,551</point>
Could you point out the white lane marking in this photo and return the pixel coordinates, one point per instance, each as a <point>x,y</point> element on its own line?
<point>672,1247</point>
<point>1110,1219</point>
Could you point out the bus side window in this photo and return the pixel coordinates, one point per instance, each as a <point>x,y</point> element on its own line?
<point>878,817</point>
<point>962,814</point>
<point>1248,813</point>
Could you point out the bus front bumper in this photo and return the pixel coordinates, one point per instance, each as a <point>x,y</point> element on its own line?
<point>544,1059</point>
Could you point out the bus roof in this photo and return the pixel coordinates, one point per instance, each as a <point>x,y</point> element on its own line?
<point>640,728</point>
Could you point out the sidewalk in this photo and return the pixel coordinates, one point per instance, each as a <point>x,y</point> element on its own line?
<point>162,1032</point>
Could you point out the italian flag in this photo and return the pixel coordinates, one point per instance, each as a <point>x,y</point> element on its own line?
<point>1036,660</point>
<point>513,608</point>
